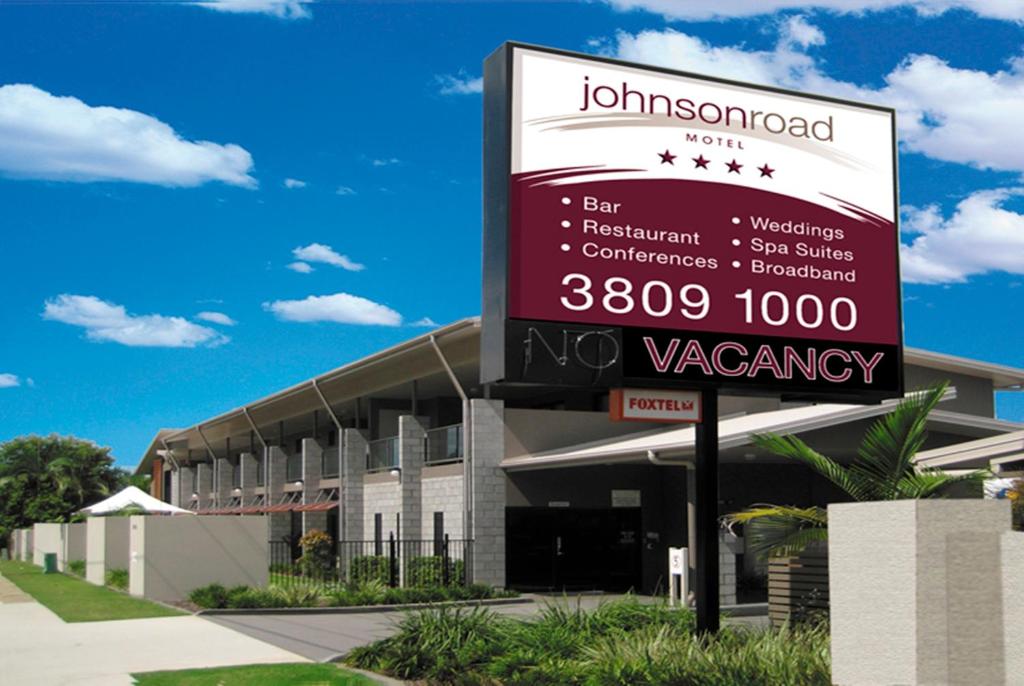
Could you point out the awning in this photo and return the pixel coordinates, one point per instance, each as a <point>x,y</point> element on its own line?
<point>679,442</point>
<point>134,498</point>
<point>318,507</point>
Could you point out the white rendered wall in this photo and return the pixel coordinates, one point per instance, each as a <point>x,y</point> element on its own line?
<point>107,547</point>
<point>46,538</point>
<point>74,544</point>
<point>171,556</point>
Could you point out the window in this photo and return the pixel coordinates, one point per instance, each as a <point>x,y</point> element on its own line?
<point>438,533</point>
<point>236,472</point>
<point>329,464</point>
<point>260,468</point>
<point>298,446</point>
<point>195,478</point>
<point>332,438</point>
<point>378,534</point>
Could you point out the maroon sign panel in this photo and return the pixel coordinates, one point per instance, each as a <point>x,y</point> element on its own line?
<point>662,228</point>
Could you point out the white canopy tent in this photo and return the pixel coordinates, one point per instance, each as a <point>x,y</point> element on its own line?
<point>132,497</point>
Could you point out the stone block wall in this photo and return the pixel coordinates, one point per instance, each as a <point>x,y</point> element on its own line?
<point>488,492</point>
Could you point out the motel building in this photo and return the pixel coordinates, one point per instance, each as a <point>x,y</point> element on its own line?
<point>535,488</point>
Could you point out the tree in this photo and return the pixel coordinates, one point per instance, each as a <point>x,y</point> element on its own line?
<point>49,478</point>
<point>883,469</point>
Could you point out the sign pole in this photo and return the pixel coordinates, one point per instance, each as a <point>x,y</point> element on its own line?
<point>707,514</point>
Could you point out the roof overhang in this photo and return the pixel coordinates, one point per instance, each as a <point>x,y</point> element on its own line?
<point>735,432</point>
<point>1004,378</point>
<point>412,359</point>
<point>985,453</point>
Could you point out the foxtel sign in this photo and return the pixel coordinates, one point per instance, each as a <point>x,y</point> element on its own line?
<point>653,228</point>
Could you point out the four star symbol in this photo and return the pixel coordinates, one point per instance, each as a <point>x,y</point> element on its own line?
<point>701,162</point>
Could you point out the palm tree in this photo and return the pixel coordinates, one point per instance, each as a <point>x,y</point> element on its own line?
<point>883,469</point>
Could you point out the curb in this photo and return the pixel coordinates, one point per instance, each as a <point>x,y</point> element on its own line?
<point>358,609</point>
<point>373,676</point>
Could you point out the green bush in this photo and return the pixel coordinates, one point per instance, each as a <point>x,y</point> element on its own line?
<point>213,596</point>
<point>366,568</point>
<point>77,567</point>
<point>317,554</point>
<point>254,598</point>
<point>429,571</point>
<point>622,643</point>
<point>117,578</point>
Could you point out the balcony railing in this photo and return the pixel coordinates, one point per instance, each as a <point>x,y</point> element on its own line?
<point>294,468</point>
<point>443,445</point>
<point>382,454</point>
<point>329,464</point>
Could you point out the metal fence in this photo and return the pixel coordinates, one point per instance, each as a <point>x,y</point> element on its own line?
<point>392,562</point>
<point>443,444</point>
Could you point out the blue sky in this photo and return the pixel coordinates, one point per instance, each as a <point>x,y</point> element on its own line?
<point>153,253</point>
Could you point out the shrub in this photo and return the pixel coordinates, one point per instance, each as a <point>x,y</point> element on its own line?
<point>117,578</point>
<point>365,568</point>
<point>317,554</point>
<point>213,596</point>
<point>430,571</point>
<point>298,596</point>
<point>622,643</point>
<point>77,567</point>
<point>252,598</point>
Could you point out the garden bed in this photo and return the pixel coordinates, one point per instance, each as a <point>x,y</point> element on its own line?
<point>621,643</point>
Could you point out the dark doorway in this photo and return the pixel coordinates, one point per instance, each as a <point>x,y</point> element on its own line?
<point>573,549</point>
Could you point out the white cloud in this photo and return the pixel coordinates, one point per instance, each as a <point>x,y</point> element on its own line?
<point>318,252</point>
<point>300,267</point>
<point>980,237</point>
<point>950,114</point>
<point>216,318</point>
<point>9,381</point>
<point>340,307</point>
<point>344,190</point>
<point>294,183</point>
<point>43,136</point>
<point>459,84</point>
<point>283,9</point>
<point>106,321</point>
<point>727,9</point>
<point>425,321</point>
<point>385,161</point>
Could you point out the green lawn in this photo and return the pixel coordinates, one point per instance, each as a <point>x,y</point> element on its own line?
<point>301,674</point>
<point>75,600</point>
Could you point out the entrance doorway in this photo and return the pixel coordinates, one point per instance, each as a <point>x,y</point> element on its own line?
<point>573,549</point>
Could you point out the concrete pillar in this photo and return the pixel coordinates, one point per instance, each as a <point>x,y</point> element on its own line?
<point>278,474</point>
<point>188,492</point>
<point>488,491</point>
<point>411,431</point>
<point>311,455</point>
<point>247,463</point>
<point>176,499</point>
<point>355,468</point>
<point>896,590</point>
<point>205,472</point>
<point>225,481</point>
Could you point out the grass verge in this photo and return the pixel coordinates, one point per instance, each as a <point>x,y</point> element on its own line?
<point>75,600</point>
<point>300,674</point>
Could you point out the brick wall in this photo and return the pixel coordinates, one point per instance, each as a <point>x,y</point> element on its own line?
<point>488,487</point>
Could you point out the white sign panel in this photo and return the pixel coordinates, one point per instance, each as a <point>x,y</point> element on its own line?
<point>650,405</point>
<point>625,498</point>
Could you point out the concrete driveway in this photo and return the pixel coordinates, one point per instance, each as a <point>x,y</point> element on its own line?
<point>37,647</point>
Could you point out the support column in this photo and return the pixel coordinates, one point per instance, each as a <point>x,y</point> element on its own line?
<point>225,474</point>
<point>411,431</point>
<point>279,522</point>
<point>487,514</point>
<point>176,498</point>
<point>354,456</point>
<point>247,463</point>
<point>311,455</point>
<point>205,471</point>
